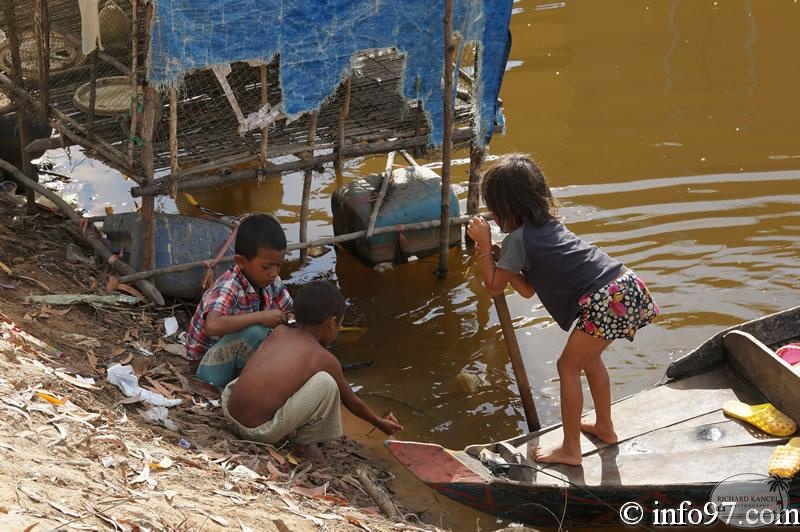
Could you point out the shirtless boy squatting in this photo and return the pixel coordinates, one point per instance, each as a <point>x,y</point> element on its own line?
<point>292,385</point>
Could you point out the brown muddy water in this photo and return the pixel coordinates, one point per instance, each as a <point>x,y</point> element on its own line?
<point>669,131</point>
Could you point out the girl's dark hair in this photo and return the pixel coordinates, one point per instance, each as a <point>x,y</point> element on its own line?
<point>516,191</point>
<point>259,231</point>
<point>316,302</point>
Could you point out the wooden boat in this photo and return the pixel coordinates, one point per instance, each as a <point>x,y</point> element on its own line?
<point>675,442</point>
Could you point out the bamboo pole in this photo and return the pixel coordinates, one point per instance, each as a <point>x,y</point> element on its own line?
<point>22,112</point>
<point>336,239</point>
<point>387,177</point>
<point>90,237</point>
<point>173,139</point>
<point>92,94</point>
<point>476,155</point>
<point>517,364</point>
<point>148,203</point>
<point>161,185</point>
<point>262,149</point>
<point>447,142</point>
<point>409,158</point>
<point>476,152</point>
<point>343,114</point>
<point>41,24</point>
<point>151,99</point>
<point>307,178</point>
<point>134,78</point>
<point>226,88</point>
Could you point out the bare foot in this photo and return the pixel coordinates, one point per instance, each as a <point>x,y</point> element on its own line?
<point>556,455</point>
<point>602,431</point>
<point>309,451</point>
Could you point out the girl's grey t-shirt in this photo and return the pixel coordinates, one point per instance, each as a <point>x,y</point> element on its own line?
<point>560,266</point>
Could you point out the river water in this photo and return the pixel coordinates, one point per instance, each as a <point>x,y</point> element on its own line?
<point>669,132</point>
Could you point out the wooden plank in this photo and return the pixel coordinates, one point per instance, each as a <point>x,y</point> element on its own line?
<point>768,373</point>
<point>610,470</point>
<point>657,408</point>
<point>772,329</point>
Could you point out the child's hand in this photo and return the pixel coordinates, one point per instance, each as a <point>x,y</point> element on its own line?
<point>389,424</point>
<point>272,318</point>
<point>479,231</point>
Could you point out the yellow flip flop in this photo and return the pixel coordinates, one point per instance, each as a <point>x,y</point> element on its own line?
<point>785,459</point>
<point>765,417</point>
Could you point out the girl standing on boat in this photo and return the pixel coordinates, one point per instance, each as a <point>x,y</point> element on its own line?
<point>574,280</point>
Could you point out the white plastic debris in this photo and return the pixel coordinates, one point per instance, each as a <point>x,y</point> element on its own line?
<point>170,326</point>
<point>158,415</point>
<point>123,378</point>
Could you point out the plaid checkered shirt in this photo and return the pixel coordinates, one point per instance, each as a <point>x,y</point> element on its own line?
<point>232,294</point>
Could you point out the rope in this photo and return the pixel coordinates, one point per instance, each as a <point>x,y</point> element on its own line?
<point>209,264</point>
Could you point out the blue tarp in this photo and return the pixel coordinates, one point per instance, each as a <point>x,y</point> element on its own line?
<point>317,39</point>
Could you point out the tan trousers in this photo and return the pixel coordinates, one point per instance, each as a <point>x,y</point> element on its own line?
<point>312,414</point>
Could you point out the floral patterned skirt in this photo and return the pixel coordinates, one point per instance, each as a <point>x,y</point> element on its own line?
<point>618,309</point>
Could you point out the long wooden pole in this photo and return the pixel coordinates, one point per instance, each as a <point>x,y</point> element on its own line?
<point>307,178</point>
<point>174,168</point>
<point>387,177</point>
<point>447,141</point>
<point>134,78</point>
<point>148,212</point>
<point>90,237</point>
<point>429,224</point>
<point>41,22</point>
<point>262,149</point>
<point>92,94</point>
<point>342,119</point>
<point>22,111</point>
<point>521,376</point>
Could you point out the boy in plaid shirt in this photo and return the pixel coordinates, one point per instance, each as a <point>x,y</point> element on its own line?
<point>243,305</point>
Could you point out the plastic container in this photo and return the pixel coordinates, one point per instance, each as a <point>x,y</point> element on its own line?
<point>179,239</point>
<point>413,196</point>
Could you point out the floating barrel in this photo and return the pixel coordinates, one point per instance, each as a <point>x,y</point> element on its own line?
<point>179,239</point>
<point>413,195</point>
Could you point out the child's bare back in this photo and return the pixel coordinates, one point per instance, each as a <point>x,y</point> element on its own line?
<point>280,367</point>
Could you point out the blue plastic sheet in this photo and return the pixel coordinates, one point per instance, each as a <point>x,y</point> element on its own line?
<point>317,39</point>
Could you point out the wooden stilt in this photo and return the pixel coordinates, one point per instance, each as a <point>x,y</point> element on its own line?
<point>262,150</point>
<point>151,99</point>
<point>42,29</point>
<point>148,204</point>
<point>342,119</point>
<point>134,78</point>
<point>92,94</point>
<point>173,140</point>
<point>387,176</point>
<point>447,142</point>
<point>22,112</point>
<point>476,155</point>
<point>309,174</point>
<point>418,126</point>
<point>347,237</point>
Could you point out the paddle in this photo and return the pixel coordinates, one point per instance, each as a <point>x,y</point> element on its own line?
<point>528,406</point>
